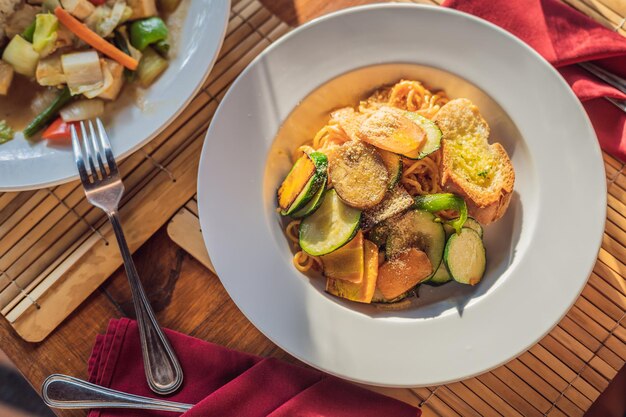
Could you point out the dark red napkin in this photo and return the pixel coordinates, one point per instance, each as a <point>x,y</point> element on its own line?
<point>226,383</point>
<point>564,37</point>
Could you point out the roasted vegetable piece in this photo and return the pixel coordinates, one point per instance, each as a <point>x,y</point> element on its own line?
<point>416,229</point>
<point>302,183</point>
<point>147,32</point>
<point>346,263</point>
<point>395,202</point>
<point>20,54</point>
<point>151,66</point>
<point>393,163</point>
<point>465,257</point>
<point>363,291</point>
<point>6,133</point>
<point>43,118</point>
<point>45,35</point>
<point>6,77</point>
<point>403,272</point>
<point>358,174</point>
<point>444,201</point>
<point>433,136</point>
<point>330,227</point>
<point>313,204</point>
<point>388,128</point>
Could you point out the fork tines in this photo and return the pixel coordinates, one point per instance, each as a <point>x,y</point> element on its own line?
<point>95,148</point>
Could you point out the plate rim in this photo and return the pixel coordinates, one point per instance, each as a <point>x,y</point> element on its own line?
<point>355,9</point>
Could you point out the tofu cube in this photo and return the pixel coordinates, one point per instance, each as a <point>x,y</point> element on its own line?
<point>142,8</point>
<point>117,72</point>
<point>81,9</point>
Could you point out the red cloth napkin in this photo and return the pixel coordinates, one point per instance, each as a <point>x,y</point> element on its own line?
<point>226,383</point>
<point>564,36</point>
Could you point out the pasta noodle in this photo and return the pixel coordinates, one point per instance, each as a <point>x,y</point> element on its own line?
<point>418,176</point>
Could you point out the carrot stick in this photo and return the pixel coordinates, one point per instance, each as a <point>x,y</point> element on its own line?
<point>95,40</point>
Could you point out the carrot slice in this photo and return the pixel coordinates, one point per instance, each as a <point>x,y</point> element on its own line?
<point>403,272</point>
<point>92,38</point>
<point>346,263</point>
<point>388,129</point>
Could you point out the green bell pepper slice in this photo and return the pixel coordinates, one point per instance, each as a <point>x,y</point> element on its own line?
<point>444,201</point>
<point>147,31</point>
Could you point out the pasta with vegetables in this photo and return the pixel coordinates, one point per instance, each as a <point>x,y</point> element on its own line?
<point>384,198</point>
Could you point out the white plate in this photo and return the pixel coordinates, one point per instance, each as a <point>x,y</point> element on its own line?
<point>539,255</point>
<point>25,165</point>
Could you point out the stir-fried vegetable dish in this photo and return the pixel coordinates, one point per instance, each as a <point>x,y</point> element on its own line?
<point>67,58</point>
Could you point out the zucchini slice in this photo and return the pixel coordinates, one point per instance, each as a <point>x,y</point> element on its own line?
<point>471,223</point>
<point>313,204</point>
<point>393,163</point>
<point>440,277</point>
<point>380,298</point>
<point>465,258</point>
<point>359,175</point>
<point>417,229</point>
<point>433,136</point>
<point>330,227</point>
<point>302,182</point>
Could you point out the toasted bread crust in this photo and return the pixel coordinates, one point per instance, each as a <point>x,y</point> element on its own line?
<point>484,204</point>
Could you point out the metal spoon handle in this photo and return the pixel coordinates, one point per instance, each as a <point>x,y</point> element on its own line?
<point>66,392</point>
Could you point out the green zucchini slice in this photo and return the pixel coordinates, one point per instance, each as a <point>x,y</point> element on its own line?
<point>380,298</point>
<point>433,135</point>
<point>471,223</point>
<point>418,229</point>
<point>393,163</point>
<point>440,277</point>
<point>300,171</point>
<point>313,204</point>
<point>465,258</point>
<point>330,227</point>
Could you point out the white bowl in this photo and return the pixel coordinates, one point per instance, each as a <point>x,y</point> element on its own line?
<point>539,255</point>
<point>27,165</point>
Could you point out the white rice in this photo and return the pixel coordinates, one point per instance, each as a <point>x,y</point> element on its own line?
<point>6,9</point>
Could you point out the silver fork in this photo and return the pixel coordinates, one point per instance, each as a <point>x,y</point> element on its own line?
<point>103,188</point>
<point>609,78</point>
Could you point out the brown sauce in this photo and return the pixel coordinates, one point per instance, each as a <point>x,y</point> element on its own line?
<point>15,107</point>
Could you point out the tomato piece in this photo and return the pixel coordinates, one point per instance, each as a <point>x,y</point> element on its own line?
<point>58,130</point>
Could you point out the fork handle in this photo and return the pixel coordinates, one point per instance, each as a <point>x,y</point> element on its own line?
<point>163,371</point>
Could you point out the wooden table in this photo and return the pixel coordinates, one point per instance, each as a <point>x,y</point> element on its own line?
<point>186,296</point>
